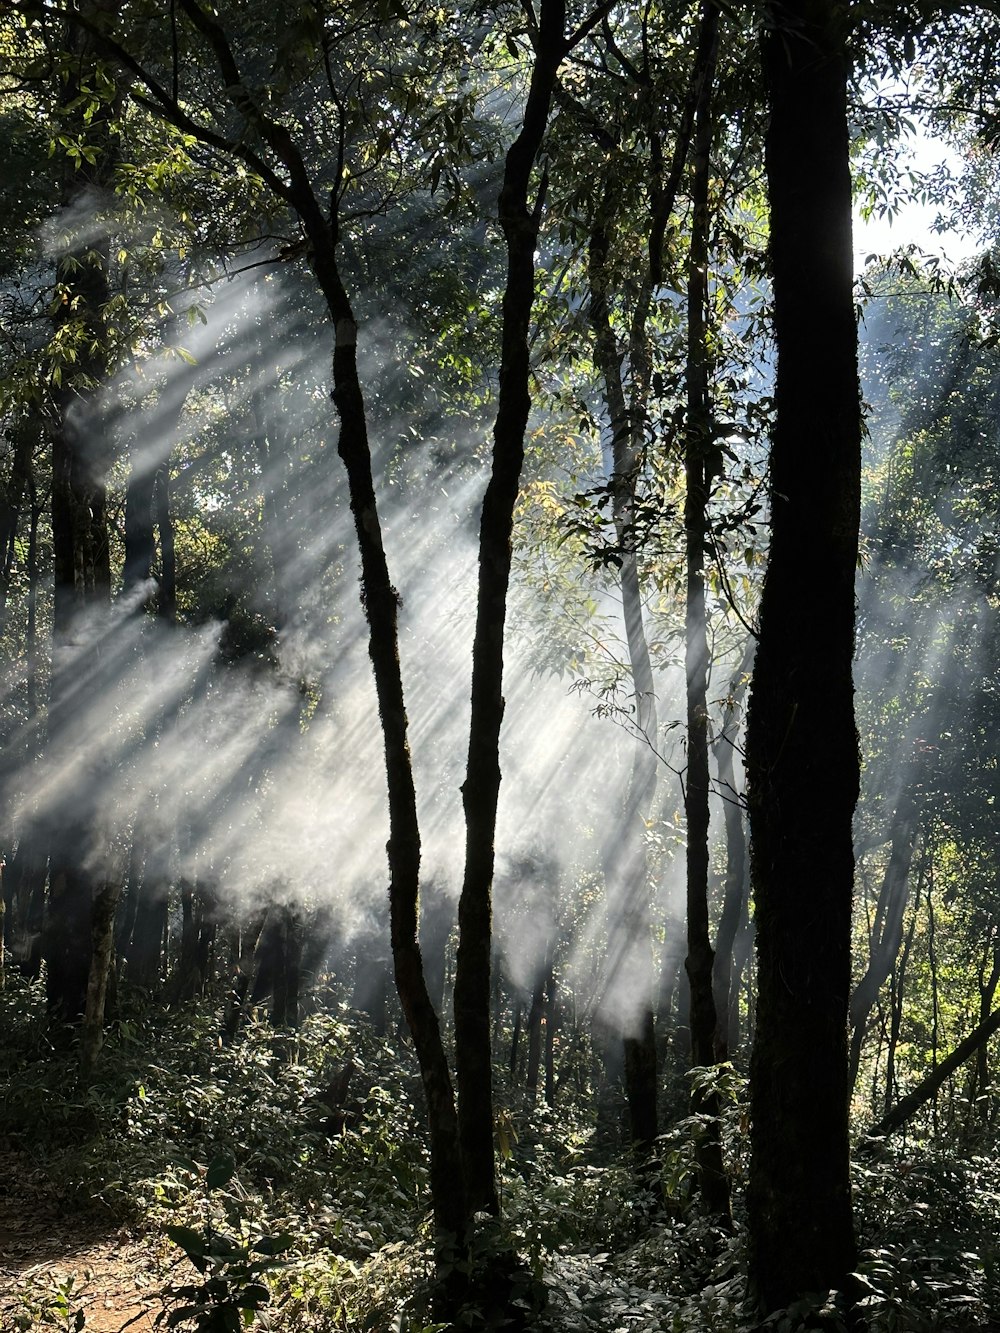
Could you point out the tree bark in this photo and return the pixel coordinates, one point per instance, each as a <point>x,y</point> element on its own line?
<point>519,221</point>
<point>713,1183</point>
<point>802,746</point>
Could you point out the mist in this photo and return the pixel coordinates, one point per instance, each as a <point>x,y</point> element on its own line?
<point>243,745</point>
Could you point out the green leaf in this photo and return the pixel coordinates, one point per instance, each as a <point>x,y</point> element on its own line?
<point>192,1242</point>
<point>274,1244</point>
<point>221,1169</point>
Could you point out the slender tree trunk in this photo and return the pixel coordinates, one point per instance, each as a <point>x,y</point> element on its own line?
<point>987,983</point>
<point>932,962</point>
<point>698,453</point>
<point>928,1088</point>
<point>101,955</point>
<point>11,509</point>
<point>733,919</point>
<point>551,1018</point>
<point>896,1018</point>
<point>624,852</point>
<point>31,629</point>
<point>515,1040</point>
<point>167,593</point>
<point>535,1014</point>
<point>626,868</point>
<point>520,221</point>
<point>245,946</point>
<point>887,928</point>
<point>285,1000</point>
<point>802,747</point>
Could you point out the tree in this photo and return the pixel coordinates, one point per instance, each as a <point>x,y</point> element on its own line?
<point>802,749</point>
<point>519,218</point>
<point>81,457</point>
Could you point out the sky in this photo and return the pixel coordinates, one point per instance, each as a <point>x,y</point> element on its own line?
<point>916,223</point>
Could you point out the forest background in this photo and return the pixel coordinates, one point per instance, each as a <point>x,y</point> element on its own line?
<point>581,283</point>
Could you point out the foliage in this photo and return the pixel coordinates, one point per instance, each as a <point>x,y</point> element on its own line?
<point>232,1260</point>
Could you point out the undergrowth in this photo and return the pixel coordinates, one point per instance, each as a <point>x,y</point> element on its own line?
<point>307,1211</point>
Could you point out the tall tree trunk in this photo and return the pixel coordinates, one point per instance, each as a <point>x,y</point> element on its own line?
<point>81,457</point>
<point>624,852</point>
<point>802,746</point>
<point>698,475</point>
<point>626,868</point>
<point>519,220</point>
<point>321,224</point>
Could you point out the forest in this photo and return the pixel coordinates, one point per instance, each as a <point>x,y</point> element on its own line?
<point>500,624</point>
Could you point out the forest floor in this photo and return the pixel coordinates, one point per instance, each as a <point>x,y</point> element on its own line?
<point>55,1261</point>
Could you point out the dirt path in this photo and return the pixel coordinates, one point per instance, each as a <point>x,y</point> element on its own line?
<point>54,1263</point>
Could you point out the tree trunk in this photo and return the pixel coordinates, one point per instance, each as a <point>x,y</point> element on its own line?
<point>980,1082</point>
<point>733,922</point>
<point>535,1014</point>
<point>245,944</point>
<point>31,628</point>
<point>481,789</point>
<point>713,1183</point>
<point>887,928</point>
<point>81,457</point>
<point>24,884</point>
<point>285,999</point>
<point>144,949</point>
<point>381,604</point>
<point>167,593</point>
<point>907,1107</point>
<point>11,508</point>
<point>896,1018</point>
<point>624,851</point>
<point>101,954</point>
<point>550,1031</point>
<point>436,918</point>
<point>802,747</point>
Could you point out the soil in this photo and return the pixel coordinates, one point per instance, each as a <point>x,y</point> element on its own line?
<point>110,1278</point>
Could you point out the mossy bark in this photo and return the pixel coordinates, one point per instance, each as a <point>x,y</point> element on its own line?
<point>802,746</point>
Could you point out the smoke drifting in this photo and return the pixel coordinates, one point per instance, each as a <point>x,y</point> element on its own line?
<point>242,743</point>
